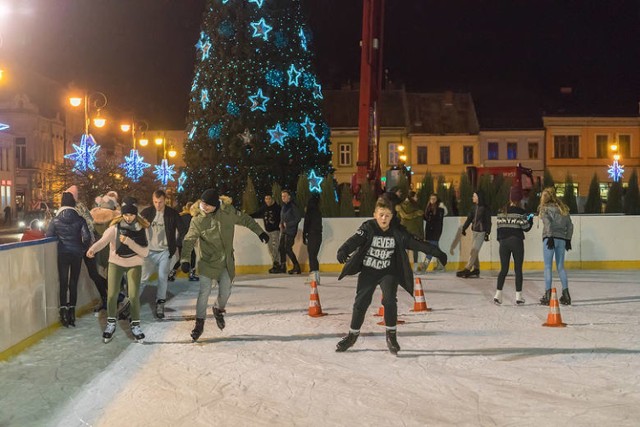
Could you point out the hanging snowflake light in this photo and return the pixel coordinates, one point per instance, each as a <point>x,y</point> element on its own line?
<point>164,172</point>
<point>616,171</point>
<point>85,154</point>
<point>181,180</point>
<point>134,165</point>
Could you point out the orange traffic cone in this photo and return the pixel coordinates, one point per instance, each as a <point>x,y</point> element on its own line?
<point>553,318</point>
<point>380,312</point>
<point>315,309</point>
<point>419,303</point>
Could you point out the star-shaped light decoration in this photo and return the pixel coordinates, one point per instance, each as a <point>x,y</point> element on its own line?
<point>164,172</point>
<point>181,180</point>
<point>294,75</point>
<point>261,29</point>
<point>204,44</point>
<point>308,127</point>
<point>616,171</point>
<point>204,98</point>
<point>277,135</point>
<point>259,101</point>
<point>315,181</point>
<point>192,131</point>
<point>303,39</point>
<point>322,146</point>
<point>134,165</point>
<point>4,126</point>
<point>317,91</point>
<point>85,155</point>
<point>258,2</point>
<point>246,137</point>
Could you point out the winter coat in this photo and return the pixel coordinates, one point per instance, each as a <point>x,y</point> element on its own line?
<point>172,225</point>
<point>312,219</point>
<point>513,222</point>
<point>433,223</point>
<point>480,219</point>
<point>290,218</point>
<point>71,230</point>
<point>133,251</point>
<point>214,234</point>
<point>361,241</point>
<point>556,224</point>
<point>411,217</point>
<point>270,215</point>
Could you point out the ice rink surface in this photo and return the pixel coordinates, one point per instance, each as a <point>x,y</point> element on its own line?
<point>467,362</point>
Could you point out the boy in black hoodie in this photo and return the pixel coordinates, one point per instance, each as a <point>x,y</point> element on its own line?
<point>381,258</point>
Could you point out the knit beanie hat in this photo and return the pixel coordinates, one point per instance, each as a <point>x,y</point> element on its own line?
<point>515,194</point>
<point>210,197</point>
<point>68,200</point>
<point>129,208</point>
<point>74,192</point>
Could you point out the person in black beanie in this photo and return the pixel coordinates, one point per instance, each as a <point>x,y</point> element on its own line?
<point>214,231</point>
<point>74,238</point>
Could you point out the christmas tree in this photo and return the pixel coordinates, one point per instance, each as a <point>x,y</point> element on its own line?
<point>255,101</point>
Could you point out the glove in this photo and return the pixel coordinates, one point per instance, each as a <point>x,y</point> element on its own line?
<point>305,239</point>
<point>567,246</point>
<point>342,257</point>
<point>550,243</point>
<point>443,259</point>
<point>185,267</point>
<point>464,233</point>
<point>264,237</point>
<point>486,237</point>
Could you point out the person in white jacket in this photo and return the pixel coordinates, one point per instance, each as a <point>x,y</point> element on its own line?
<point>127,240</point>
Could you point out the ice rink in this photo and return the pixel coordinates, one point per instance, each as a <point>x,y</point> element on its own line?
<point>467,362</point>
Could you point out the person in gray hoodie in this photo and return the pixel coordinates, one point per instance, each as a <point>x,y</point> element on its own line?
<point>556,234</point>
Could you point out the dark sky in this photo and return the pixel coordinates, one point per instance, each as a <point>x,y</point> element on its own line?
<point>141,52</point>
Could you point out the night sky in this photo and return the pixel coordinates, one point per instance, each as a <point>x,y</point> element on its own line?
<point>510,54</point>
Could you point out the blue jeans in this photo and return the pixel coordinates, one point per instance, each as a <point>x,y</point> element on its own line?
<point>558,251</point>
<point>434,243</point>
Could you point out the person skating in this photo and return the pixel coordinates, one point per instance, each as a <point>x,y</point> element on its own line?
<point>378,252</point>
<point>410,216</point>
<point>128,246</point>
<point>511,223</point>
<point>556,236</point>
<point>312,235</point>
<point>289,220</point>
<point>480,220</point>
<point>270,214</point>
<point>434,214</point>
<point>185,217</point>
<point>214,231</point>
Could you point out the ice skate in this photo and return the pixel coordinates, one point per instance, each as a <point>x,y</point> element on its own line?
<point>107,335</point>
<point>519,298</point>
<point>64,316</point>
<point>392,342</point>
<point>193,277</point>
<point>197,330</point>
<point>565,299</point>
<point>136,331</point>
<point>160,308</point>
<point>497,298</point>
<point>546,297</point>
<point>295,270</point>
<point>218,313</point>
<point>346,342</point>
<point>172,275</point>
<point>71,315</point>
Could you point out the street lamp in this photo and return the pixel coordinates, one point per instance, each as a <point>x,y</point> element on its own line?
<point>96,99</point>
<point>164,172</point>
<point>616,170</point>
<point>85,153</point>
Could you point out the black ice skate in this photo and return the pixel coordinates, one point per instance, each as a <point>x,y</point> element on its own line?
<point>136,331</point>
<point>107,335</point>
<point>392,342</point>
<point>346,342</point>
<point>565,299</point>
<point>193,277</point>
<point>218,313</point>
<point>172,275</point>
<point>197,330</point>
<point>546,297</point>
<point>160,308</point>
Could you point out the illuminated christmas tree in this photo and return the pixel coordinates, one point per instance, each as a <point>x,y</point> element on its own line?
<point>255,101</point>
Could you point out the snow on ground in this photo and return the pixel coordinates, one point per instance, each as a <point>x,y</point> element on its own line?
<point>466,363</point>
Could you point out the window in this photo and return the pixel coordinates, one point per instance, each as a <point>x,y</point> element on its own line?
<point>445,156</point>
<point>602,146</point>
<point>344,151</point>
<point>394,153</point>
<point>512,150</point>
<point>422,155</point>
<point>493,151</point>
<point>624,142</point>
<point>533,150</point>
<point>566,146</point>
<point>560,189</point>
<point>467,155</point>
<point>21,152</point>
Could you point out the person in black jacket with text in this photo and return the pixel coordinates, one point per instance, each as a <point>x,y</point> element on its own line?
<point>378,252</point>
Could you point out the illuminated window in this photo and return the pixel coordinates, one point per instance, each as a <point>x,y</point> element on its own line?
<point>467,155</point>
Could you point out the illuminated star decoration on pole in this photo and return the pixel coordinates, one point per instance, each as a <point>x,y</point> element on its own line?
<point>314,182</point>
<point>181,180</point>
<point>277,135</point>
<point>85,155</point>
<point>261,29</point>
<point>616,171</point>
<point>259,101</point>
<point>164,172</point>
<point>134,165</point>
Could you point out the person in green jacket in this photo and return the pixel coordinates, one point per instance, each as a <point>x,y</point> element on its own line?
<point>213,231</point>
<point>410,216</point>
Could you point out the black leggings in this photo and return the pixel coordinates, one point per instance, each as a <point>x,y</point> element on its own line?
<point>286,249</point>
<point>364,293</point>
<point>68,273</point>
<point>511,246</point>
<point>313,247</point>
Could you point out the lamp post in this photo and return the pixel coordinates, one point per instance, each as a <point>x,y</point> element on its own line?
<point>98,103</point>
<point>164,172</point>
<point>134,164</point>
<point>616,170</point>
<point>85,153</point>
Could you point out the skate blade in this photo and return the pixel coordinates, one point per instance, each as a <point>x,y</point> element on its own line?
<point>496,302</point>
<point>140,341</point>
<point>107,340</point>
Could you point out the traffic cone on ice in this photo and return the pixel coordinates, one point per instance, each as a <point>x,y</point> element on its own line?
<point>315,309</point>
<point>419,303</point>
<point>553,318</point>
<point>380,313</point>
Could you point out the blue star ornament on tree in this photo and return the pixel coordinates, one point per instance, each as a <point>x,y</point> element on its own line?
<point>322,145</point>
<point>258,2</point>
<point>204,44</point>
<point>259,101</point>
<point>315,181</point>
<point>294,75</point>
<point>308,127</point>
<point>181,180</point>
<point>204,98</point>
<point>261,29</point>
<point>134,165</point>
<point>317,91</point>
<point>277,135</point>
<point>164,172</point>
<point>85,154</point>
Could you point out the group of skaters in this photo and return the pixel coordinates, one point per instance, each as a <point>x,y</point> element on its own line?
<point>143,243</point>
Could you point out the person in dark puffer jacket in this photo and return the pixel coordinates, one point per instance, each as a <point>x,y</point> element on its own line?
<point>480,220</point>
<point>74,238</point>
